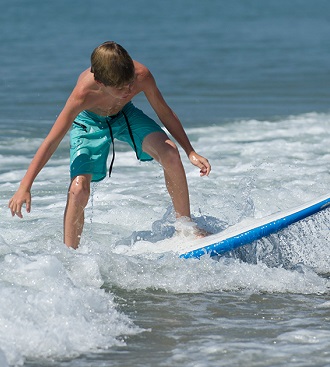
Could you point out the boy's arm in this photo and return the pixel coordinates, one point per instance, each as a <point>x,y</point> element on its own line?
<point>172,123</point>
<point>43,154</point>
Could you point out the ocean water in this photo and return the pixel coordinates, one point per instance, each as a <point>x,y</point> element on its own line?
<point>250,82</point>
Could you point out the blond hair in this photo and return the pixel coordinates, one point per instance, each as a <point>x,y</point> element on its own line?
<point>112,65</point>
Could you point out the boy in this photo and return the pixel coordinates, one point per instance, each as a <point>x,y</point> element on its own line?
<point>99,109</point>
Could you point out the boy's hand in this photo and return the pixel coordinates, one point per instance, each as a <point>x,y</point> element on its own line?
<point>16,202</point>
<point>200,162</point>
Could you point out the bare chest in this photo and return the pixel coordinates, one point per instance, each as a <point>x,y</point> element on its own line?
<point>110,103</point>
<point>108,106</point>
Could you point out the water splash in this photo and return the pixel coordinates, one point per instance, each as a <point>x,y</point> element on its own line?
<point>305,242</point>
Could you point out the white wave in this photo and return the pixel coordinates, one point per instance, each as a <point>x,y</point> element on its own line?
<point>259,167</point>
<point>50,310</point>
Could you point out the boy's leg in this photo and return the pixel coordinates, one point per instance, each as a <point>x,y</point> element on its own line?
<point>78,195</point>
<point>164,151</point>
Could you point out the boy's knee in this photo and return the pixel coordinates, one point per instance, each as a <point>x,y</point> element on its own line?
<point>79,191</point>
<point>161,148</point>
<point>172,155</point>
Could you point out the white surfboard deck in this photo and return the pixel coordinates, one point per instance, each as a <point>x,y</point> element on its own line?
<point>245,232</point>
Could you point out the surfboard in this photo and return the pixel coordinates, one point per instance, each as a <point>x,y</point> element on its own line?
<point>246,233</point>
<point>240,234</point>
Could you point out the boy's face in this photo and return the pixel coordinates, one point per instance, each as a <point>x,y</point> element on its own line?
<point>122,92</point>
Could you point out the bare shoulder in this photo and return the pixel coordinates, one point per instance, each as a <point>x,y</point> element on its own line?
<point>146,83</point>
<point>142,73</point>
<point>85,90</point>
<point>140,69</point>
<point>79,100</point>
<point>86,84</point>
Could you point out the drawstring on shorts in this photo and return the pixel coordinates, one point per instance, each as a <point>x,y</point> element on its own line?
<point>108,121</point>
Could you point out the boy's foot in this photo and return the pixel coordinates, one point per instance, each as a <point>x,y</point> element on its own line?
<point>184,226</point>
<point>201,233</point>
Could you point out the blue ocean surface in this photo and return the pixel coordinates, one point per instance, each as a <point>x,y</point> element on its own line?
<point>250,81</point>
<point>212,60</point>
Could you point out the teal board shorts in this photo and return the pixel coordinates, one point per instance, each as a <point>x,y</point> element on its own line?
<point>91,136</point>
